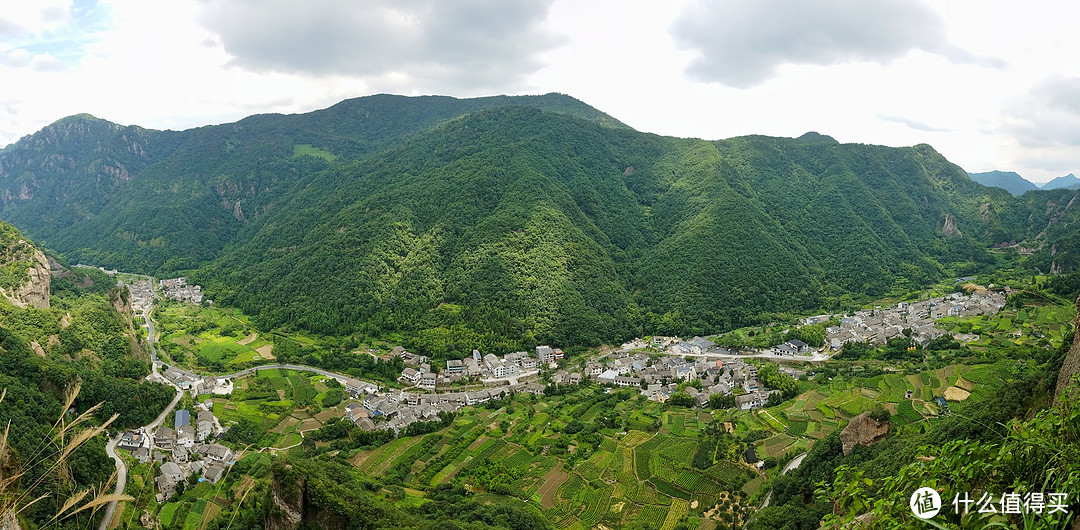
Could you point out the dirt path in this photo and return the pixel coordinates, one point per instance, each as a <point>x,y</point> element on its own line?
<point>765,412</point>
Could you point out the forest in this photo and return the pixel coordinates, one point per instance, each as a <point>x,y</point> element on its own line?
<point>500,223</point>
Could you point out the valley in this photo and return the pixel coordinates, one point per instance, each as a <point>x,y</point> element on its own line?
<point>518,312</point>
<point>582,455</point>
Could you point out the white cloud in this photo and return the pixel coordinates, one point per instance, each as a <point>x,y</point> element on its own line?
<point>741,43</point>
<point>19,19</point>
<point>461,46</point>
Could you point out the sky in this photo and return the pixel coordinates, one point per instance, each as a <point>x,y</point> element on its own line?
<point>992,85</point>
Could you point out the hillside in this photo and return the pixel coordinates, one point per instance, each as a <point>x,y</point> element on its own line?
<point>1006,180</point>
<point>495,223</point>
<point>538,225</point>
<point>24,273</point>
<point>74,339</point>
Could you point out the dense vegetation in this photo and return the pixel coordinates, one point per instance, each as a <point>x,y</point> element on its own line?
<point>44,353</point>
<point>880,478</point>
<point>498,223</point>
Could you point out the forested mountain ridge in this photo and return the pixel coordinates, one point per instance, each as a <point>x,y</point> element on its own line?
<point>519,223</point>
<point>499,222</point>
<point>129,196</point>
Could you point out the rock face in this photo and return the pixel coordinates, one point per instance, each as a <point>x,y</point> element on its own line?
<point>34,292</point>
<point>950,229</point>
<point>1070,367</point>
<point>863,430</point>
<point>288,513</point>
<point>121,301</point>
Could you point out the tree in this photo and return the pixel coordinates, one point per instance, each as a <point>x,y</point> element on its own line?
<point>680,399</point>
<point>721,401</point>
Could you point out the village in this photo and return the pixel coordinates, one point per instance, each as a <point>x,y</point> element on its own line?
<point>184,450</point>
<point>876,326</point>
<point>656,377</point>
<point>719,370</point>
<point>657,367</point>
<point>179,289</point>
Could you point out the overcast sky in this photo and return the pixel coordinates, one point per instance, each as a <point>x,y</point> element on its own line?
<point>991,84</point>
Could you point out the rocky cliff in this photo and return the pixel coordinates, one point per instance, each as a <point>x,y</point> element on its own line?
<point>1071,366</point>
<point>24,270</point>
<point>35,292</point>
<point>121,301</point>
<point>863,430</point>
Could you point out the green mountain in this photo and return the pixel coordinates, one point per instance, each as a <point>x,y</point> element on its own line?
<point>500,222</point>
<point>167,200</point>
<point>1006,180</point>
<point>1068,181</point>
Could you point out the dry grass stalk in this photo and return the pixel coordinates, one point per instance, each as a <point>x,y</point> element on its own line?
<point>12,502</point>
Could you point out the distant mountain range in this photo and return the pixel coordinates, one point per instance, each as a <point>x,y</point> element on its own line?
<point>1017,185</point>
<point>495,223</point>
<point>1068,182</point>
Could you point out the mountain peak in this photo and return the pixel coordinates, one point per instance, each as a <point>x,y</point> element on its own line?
<point>814,137</point>
<point>1009,181</point>
<point>1068,181</point>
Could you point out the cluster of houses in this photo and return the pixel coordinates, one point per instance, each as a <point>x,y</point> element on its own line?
<point>489,368</point>
<point>396,409</point>
<point>197,384</point>
<point>876,326</point>
<point>660,377</point>
<point>181,450</point>
<point>179,289</point>
<point>142,295</point>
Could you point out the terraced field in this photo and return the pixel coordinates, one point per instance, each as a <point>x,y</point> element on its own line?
<point>638,475</point>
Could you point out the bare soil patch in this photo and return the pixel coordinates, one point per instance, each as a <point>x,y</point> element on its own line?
<point>360,458</point>
<point>956,394</point>
<point>264,352</point>
<point>965,384</point>
<point>209,513</point>
<point>248,339</point>
<point>552,480</point>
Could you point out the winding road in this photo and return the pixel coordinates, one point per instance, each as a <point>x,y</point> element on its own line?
<point>110,448</point>
<point>156,364</point>
<point>791,465</point>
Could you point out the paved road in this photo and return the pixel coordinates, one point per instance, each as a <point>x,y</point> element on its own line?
<point>816,357</point>
<point>512,379</point>
<point>110,448</point>
<point>795,462</point>
<point>299,367</point>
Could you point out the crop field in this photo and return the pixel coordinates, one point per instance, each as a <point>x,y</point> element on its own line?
<point>209,338</point>
<point>625,477</point>
<point>627,460</point>
<point>278,400</point>
<point>893,387</point>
